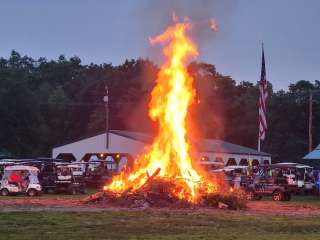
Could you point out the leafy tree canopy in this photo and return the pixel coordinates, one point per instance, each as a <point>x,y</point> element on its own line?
<point>45,103</point>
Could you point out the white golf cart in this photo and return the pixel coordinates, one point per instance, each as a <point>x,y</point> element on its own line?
<point>28,182</point>
<point>297,174</point>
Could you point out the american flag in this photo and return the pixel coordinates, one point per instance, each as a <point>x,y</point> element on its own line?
<point>263,100</point>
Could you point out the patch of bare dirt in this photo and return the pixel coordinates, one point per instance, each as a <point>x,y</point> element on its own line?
<point>69,204</point>
<point>282,208</point>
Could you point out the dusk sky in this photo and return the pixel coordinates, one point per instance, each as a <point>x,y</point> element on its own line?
<point>110,31</point>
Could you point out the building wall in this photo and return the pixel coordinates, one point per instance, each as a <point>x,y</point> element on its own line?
<point>119,144</point>
<point>237,157</point>
<point>97,144</point>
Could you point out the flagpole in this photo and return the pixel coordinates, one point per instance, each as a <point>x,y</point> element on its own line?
<point>259,139</point>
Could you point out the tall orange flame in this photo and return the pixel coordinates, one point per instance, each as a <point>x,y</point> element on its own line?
<point>169,154</point>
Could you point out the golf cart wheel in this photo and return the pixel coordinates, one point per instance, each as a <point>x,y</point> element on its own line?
<point>250,196</point>
<point>277,196</point>
<point>32,192</point>
<point>4,192</point>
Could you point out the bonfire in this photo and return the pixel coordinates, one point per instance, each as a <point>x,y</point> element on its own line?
<point>166,171</point>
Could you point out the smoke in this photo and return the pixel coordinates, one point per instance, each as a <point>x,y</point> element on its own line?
<point>206,17</point>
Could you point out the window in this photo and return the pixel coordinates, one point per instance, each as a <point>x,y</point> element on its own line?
<point>68,157</point>
<point>86,157</point>
<point>94,156</point>
<point>255,162</point>
<point>231,161</point>
<point>243,162</point>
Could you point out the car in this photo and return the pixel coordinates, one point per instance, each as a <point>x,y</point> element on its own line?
<point>28,182</point>
<point>269,181</point>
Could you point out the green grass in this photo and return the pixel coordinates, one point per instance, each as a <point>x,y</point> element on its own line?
<point>299,199</point>
<point>151,224</point>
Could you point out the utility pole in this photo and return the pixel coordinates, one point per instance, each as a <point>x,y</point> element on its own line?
<point>106,100</point>
<point>311,92</point>
<point>310,120</point>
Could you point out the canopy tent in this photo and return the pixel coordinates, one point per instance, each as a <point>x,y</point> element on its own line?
<point>313,155</point>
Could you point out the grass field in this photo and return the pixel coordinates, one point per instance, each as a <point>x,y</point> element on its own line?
<point>150,224</point>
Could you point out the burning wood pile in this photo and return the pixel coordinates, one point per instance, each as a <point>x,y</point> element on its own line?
<point>157,193</point>
<point>165,174</point>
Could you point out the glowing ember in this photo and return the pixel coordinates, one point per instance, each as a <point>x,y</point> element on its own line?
<point>213,25</point>
<point>169,155</point>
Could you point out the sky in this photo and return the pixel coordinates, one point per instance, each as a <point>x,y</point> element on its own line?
<point>110,31</point>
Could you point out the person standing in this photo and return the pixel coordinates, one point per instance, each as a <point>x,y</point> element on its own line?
<point>318,184</point>
<point>237,180</point>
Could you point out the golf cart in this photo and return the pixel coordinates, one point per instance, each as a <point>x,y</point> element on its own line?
<point>20,179</point>
<point>101,167</point>
<point>299,174</point>
<point>69,178</point>
<point>268,180</point>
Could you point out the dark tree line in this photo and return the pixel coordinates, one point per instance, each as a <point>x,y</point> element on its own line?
<point>46,103</point>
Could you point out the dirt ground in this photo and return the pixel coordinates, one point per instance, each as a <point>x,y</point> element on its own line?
<point>19,204</point>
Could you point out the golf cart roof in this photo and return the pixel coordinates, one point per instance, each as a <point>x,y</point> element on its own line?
<point>4,163</point>
<point>21,167</point>
<point>218,170</point>
<point>304,166</point>
<point>233,167</point>
<point>210,163</point>
<point>291,164</point>
<point>286,165</point>
<point>74,165</point>
<point>9,160</point>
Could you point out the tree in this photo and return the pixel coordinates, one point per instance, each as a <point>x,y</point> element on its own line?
<point>45,103</point>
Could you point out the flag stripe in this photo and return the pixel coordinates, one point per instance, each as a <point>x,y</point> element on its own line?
<point>263,87</point>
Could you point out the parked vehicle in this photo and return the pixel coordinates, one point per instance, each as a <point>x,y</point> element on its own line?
<point>269,181</point>
<point>63,177</point>
<point>98,172</point>
<point>20,179</point>
<point>300,175</point>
